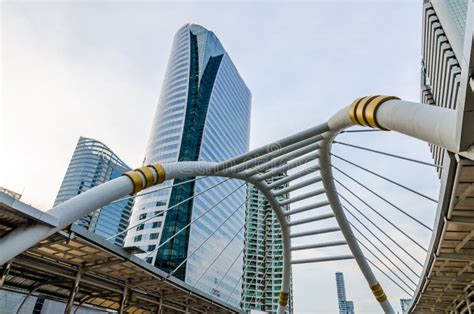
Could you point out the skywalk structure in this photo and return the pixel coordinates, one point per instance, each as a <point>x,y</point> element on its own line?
<point>428,123</point>
<point>446,81</point>
<point>444,284</point>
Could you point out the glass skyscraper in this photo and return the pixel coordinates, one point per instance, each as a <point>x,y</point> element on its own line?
<point>91,164</point>
<point>345,306</point>
<point>263,253</point>
<point>203,114</point>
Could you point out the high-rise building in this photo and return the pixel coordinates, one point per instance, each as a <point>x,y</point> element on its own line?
<point>91,164</point>
<point>405,304</point>
<point>263,253</point>
<point>203,114</point>
<point>345,306</point>
<point>442,53</point>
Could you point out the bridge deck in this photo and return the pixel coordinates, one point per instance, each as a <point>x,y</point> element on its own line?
<point>52,266</point>
<point>448,275</point>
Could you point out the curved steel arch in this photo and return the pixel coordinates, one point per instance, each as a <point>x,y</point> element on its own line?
<point>428,123</point>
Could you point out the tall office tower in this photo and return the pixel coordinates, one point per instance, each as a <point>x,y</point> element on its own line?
<point>405,304</point>
<point>203,114</point>
<point>345,306</point>
<point>263,254</point>
<point>91,164</point>
<point>442,52</point>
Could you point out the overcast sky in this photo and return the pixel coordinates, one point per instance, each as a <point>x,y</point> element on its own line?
<point>95,69</point>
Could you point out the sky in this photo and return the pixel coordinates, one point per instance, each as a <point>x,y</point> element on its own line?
<point>95,69</point>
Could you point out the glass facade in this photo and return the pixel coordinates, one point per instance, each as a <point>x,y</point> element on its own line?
<point>203,114</point>
<point>263,254</point>
<point>457,10</point>
<point>94,163</point>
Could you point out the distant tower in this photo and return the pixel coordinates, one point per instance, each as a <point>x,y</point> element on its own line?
<point>405,304</point>
<point>263,254</point>
<point>91,164</point>
<point>345,306</point>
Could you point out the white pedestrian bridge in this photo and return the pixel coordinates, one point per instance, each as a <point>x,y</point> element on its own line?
<point>42,252</point>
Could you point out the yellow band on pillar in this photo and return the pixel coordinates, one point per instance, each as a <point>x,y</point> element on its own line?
<point>378,292</point>
<point>371,110</point>
<point>360,112</point>
<point>160,171</point>
<point>148,174</point>
<point>143,177</point>
<point>283,300</point>
<point>381,298</point>
<point>136,181</point>
<point>352,110</point>
<point>363,110</point>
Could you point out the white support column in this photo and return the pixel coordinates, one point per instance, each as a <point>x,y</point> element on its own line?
<point>329,186</point>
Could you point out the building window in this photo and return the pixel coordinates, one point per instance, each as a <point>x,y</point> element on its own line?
<point>156,224</point>
<point>142,216</point>
<point>149,260</point>
<point>140,227</point>
<point>137,238</point>
<point>151,247</point>
<point>154,236</point>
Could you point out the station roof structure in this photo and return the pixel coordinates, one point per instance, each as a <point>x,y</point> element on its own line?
<point>106,270</point>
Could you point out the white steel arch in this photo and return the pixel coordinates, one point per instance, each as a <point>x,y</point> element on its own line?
<point>428,123</point>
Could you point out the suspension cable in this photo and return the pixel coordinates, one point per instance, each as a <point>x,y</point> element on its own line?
<point>158,190</point>
<point>254,278</point>
<point>379,214</point>
<point>382,198</point>
<point>264,274</point>
<point>383,254</point>
<point>382,262</point>
<point>242,251</point>
<point>391,279</point>
<point>388,154</point>
<point>383,232</point>
<point>210,236</point>
<point>362,131</point>
<point>247,265</point>
<point>386,179</point>
<point>166,210</point>
<point>217,257</point>
<point>194,220</point>
<point>383,243</point>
